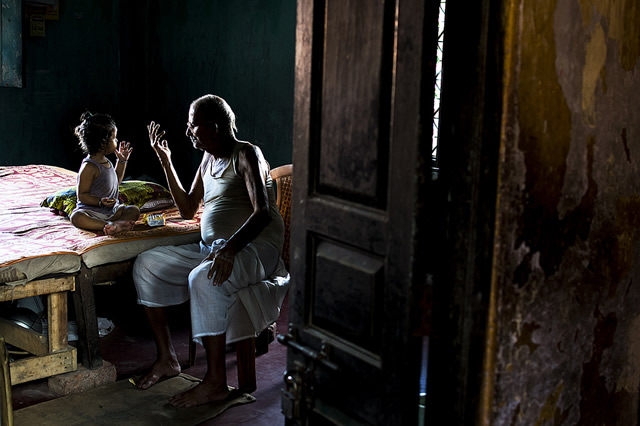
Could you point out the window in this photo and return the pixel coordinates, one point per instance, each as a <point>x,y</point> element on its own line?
<point>436,100</point>
<point>10,43</point>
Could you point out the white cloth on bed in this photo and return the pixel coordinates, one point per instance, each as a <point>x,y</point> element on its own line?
<point>170,275</point>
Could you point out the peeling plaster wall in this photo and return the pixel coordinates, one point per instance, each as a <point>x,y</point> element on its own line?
<point>566,275</point>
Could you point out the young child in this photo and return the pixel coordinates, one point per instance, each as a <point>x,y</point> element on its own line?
<point>98,208</point>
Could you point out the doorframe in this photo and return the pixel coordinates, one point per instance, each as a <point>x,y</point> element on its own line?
<point>462,344</point>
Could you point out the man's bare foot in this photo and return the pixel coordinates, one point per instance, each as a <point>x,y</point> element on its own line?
<point>112,228</point>
<point>203,393</point>
<point>159,370</point>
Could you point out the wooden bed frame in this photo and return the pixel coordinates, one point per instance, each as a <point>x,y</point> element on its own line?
<point>52,353</point>
<point>89,353</point>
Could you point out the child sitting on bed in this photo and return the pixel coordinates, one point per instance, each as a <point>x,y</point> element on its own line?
<point>98,208</point>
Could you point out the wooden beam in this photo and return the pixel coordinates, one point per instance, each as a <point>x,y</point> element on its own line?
<point>86,318</point>
<point>23,338</point>
<point>6,414</point>
<point>38,367</point>
<point>111,271</point>
<point>36,288</point>
<point>57,320</point>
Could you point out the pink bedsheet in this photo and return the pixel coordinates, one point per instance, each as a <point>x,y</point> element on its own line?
<point>28,231</point>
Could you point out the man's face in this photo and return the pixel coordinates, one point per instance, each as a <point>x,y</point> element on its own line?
<point>199,131</point>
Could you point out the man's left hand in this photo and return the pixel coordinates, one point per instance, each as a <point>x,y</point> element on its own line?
<point>221,266</point>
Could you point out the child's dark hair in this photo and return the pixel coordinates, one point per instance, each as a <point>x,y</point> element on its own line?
<point>94,132</point>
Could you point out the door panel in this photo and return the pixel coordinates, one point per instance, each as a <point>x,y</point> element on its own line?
<point>346,276</point>
<point>356,41</point>
<point>325,216</point>
<point>359,158</point>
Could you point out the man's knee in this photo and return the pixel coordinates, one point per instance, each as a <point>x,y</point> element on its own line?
<point>198,275</point>
<point>200,282</point>
<point>143,263</point>
<point>147,264</point>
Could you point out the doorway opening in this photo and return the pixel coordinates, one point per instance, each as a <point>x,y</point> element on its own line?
<point>438,80</point>
<point>435,139</point>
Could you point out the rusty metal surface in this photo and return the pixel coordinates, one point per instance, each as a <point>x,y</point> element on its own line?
<point>567,311</point>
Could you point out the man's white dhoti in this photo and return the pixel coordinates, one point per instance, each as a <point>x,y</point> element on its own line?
<point>247,302</point>
<point>251,296</point>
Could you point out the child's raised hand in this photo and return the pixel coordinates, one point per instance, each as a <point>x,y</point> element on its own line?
<point>158,144</point>
<point>124,151</point>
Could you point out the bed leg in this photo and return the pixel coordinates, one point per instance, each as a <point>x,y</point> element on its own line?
<point>89,353</point>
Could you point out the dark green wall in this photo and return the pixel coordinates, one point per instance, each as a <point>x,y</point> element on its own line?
<point>75,66</point>
<point>142,61</point>
<point>242,51</point>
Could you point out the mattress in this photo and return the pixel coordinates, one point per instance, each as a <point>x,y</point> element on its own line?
<point>35,242</point>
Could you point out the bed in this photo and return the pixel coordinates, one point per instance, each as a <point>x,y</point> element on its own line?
<point>41,253</point>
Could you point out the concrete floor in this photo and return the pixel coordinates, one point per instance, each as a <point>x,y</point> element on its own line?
<point>130,348</point>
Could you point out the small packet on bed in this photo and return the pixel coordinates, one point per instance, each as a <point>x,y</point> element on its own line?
<point>154,219</point>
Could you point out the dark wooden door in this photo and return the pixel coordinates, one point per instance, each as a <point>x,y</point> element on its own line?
<point>360,161</point>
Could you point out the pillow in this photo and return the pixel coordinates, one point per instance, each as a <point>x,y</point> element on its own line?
<point>159,204</point>
<point>62,202</point>
<point>146,195</point>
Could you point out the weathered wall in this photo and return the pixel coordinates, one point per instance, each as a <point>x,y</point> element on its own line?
<point>567,348</point>
<point>143,60</point>
<point>73,67</point>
